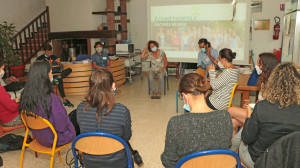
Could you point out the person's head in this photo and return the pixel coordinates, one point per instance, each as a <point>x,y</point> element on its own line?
<point>36,94</point>
<point>266,62</point>
<point>203,44</point>
<point>192,85</point>
<point>153,46</point>
<point>48,49</point>
<point>100,94</point>
<point>98,46</point>
<point>2,72</point>
<point>283,86</point>
<point>226,56</point>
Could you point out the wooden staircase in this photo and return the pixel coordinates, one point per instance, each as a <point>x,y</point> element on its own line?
<point>31,39</point>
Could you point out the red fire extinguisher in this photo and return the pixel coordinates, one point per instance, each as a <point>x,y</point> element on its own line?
<point>276,28</point>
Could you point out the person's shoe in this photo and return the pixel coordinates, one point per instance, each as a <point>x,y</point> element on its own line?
<point>68,103</point>
<point>137,158</point>
<point>55,81</point>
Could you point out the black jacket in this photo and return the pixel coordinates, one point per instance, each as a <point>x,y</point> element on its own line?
<point>284,153</point>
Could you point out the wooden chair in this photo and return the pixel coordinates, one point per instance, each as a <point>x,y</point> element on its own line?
<point>174,65</point>
<point>211,159</point>
<point>201,72</point>
<point>100,143</point>
<point>40,123</point>
<point>4,129</point>
<point>232,94</point>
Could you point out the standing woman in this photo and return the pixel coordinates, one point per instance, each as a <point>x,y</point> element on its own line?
<point>158,61</point>
<point>100,113</point>
<point>38,99</point>
<point>222,85</point>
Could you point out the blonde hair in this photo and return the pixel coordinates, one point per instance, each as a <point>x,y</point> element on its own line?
<point>283,85</point>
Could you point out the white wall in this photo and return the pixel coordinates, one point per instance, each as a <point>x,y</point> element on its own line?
<point>75,15</point>
<point>20,12</point>
<point>262,40</point>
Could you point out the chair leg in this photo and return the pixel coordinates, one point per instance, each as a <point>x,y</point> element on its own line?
<point>35,154</point>
<point>59,156</point>
<point>22,156</point>
<point>164,85</point>
<point>177,101</point>
<point>51,161</point>
<point>168,82</point>
<point>148,86</point>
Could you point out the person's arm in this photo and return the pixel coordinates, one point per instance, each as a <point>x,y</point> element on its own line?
<point>145,53</point>
<point>6,101</point>
<point>127,126</point>
<point>212,56</point>
<point>169,157</point>
<point>199,64</point>
<point>59,115</point>
<point>165,63</point>
<point>251,127</point>
<point>219,82</point>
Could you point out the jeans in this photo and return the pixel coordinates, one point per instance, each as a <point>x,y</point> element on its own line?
<point>60,85</point>
<point>160,76</point>
<point>238,144</point>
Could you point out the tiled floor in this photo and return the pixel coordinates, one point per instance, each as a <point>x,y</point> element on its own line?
<point>149,122</point>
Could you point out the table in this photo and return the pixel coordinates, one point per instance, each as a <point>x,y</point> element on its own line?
<point>244,89</point>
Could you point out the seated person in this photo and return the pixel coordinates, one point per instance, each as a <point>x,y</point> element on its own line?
<point>9,109</point>
<point>222,85</point>
<point>38,99</point>
<point>48,56</point>
<point>266,62</point>
<point>201,129</point>
<point>207,56</point>
<point>100,59</point>
<point>158,61</point>
<point>100,113</point>
<point>272,118</point>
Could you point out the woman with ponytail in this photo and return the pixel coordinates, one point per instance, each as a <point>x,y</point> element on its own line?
<point>201,129</point>
<point>223,84</point>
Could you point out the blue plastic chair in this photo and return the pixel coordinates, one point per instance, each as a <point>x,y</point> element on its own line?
<point>214,156</point>
<point>83,141</point>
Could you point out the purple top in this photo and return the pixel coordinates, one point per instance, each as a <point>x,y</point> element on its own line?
<point>61,123</point>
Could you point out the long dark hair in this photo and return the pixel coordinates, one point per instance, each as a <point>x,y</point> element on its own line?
<point>268,61</point>
<point>36,93</point>
<point>100,93</point>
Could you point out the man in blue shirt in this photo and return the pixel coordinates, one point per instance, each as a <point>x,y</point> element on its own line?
<point>100,59</point>
<point>207,55</point>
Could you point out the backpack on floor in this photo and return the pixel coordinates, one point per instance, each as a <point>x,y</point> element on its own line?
<point>11,142</point>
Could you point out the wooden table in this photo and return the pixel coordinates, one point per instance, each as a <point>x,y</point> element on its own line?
<point>244,89</point>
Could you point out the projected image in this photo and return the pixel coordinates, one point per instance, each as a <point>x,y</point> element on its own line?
<point>179,28</point>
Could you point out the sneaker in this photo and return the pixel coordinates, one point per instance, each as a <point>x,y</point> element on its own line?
<point>55,81</point>
<point>68,104</point>
<point>137,158</point>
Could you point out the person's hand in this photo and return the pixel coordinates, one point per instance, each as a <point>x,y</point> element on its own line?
<point>17,100</point>
<point>12,78</point>
<point>216,62</point>
<point>161,70</point>
<point>211,67</point>
<point>249,111</point>
<point>147,45</point>
<point>208,51</point>
<point>58,60</point>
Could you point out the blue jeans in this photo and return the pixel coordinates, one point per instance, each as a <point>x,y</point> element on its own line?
<point>160,76</point>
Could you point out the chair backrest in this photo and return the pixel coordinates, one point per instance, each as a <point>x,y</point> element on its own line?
<point>284,152</point>
<point>99,143</point>
<point>201,72</point>
<point>232,94</point>
<point>211,159</point>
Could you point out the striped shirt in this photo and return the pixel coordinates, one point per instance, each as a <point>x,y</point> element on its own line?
<point>117,122</point>
<point>222,87</point>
